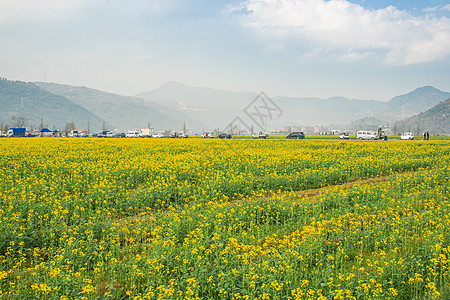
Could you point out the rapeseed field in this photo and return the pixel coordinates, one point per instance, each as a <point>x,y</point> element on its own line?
<point>224,219</point>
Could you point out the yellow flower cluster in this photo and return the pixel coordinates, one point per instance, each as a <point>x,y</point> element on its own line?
<point>233,219</point>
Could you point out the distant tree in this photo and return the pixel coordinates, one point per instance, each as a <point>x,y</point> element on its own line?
<point>19,121</point>
<point>4,126</point>
<point>394,129</point>
<point>69,127</point>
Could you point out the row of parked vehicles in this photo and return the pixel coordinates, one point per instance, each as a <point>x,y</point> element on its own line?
<point>132,134</point>
<point>255,135</point>
<point>361,135</point>
<point>372,135</point>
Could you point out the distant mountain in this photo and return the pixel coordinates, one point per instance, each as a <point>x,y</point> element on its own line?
<point>199,98</point>
<point>368,123</point>
<point>174,104</point>
<point>26,100</point>
<point>214,107</point>
<point>124,112</point>
<point>436,120</point>
<point>412,103</point>
<point>335,110</point>
<point>218,108</point>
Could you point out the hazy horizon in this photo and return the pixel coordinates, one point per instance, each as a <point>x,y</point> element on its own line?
<point>228,90</point>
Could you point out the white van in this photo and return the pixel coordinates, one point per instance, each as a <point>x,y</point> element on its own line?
<point>132,134</point>
<point>407,136</point>
<point>366,135</point>
<point>73,133</point>
<point>158,135</point>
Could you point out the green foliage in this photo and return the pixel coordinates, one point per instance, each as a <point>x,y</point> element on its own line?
<point>25,100</point>
<point>436,120</point>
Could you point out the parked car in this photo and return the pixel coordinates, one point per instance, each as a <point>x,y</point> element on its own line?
<point>132,134</point>
<point>178,135</point>
<point>366,135</point>
<point>158,135</point>
<point>259,135</point>
<point>120,135</point>
<point>224,136</point>
<point>407,136</point>
<point>208,135</point>
<point>105,134</point>
<point>296,135</point>
<point>344,136</point>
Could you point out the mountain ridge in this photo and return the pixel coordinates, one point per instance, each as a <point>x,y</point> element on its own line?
<point>174,104</point>
<point>123,112</point>
<point>435,119</point>
<point>221,106</point>
<point>27,100</point>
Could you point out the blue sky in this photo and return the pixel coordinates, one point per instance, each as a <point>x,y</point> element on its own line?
<point>364,49</point>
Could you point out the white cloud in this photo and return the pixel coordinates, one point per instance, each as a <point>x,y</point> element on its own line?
<point>344,27</point>
<point>431,9</point>
<point>447,7</point>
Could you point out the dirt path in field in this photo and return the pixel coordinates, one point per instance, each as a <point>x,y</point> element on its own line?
<point>309,196</point>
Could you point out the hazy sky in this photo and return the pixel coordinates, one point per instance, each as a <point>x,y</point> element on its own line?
<point>368,49</point>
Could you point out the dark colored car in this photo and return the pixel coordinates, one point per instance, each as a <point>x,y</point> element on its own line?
<point>224,136</point>
<point>296,135</point>
<point>177,135</point>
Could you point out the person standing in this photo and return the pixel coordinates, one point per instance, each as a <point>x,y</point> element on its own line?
<point>428,135</point>
<point>424,136</point>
